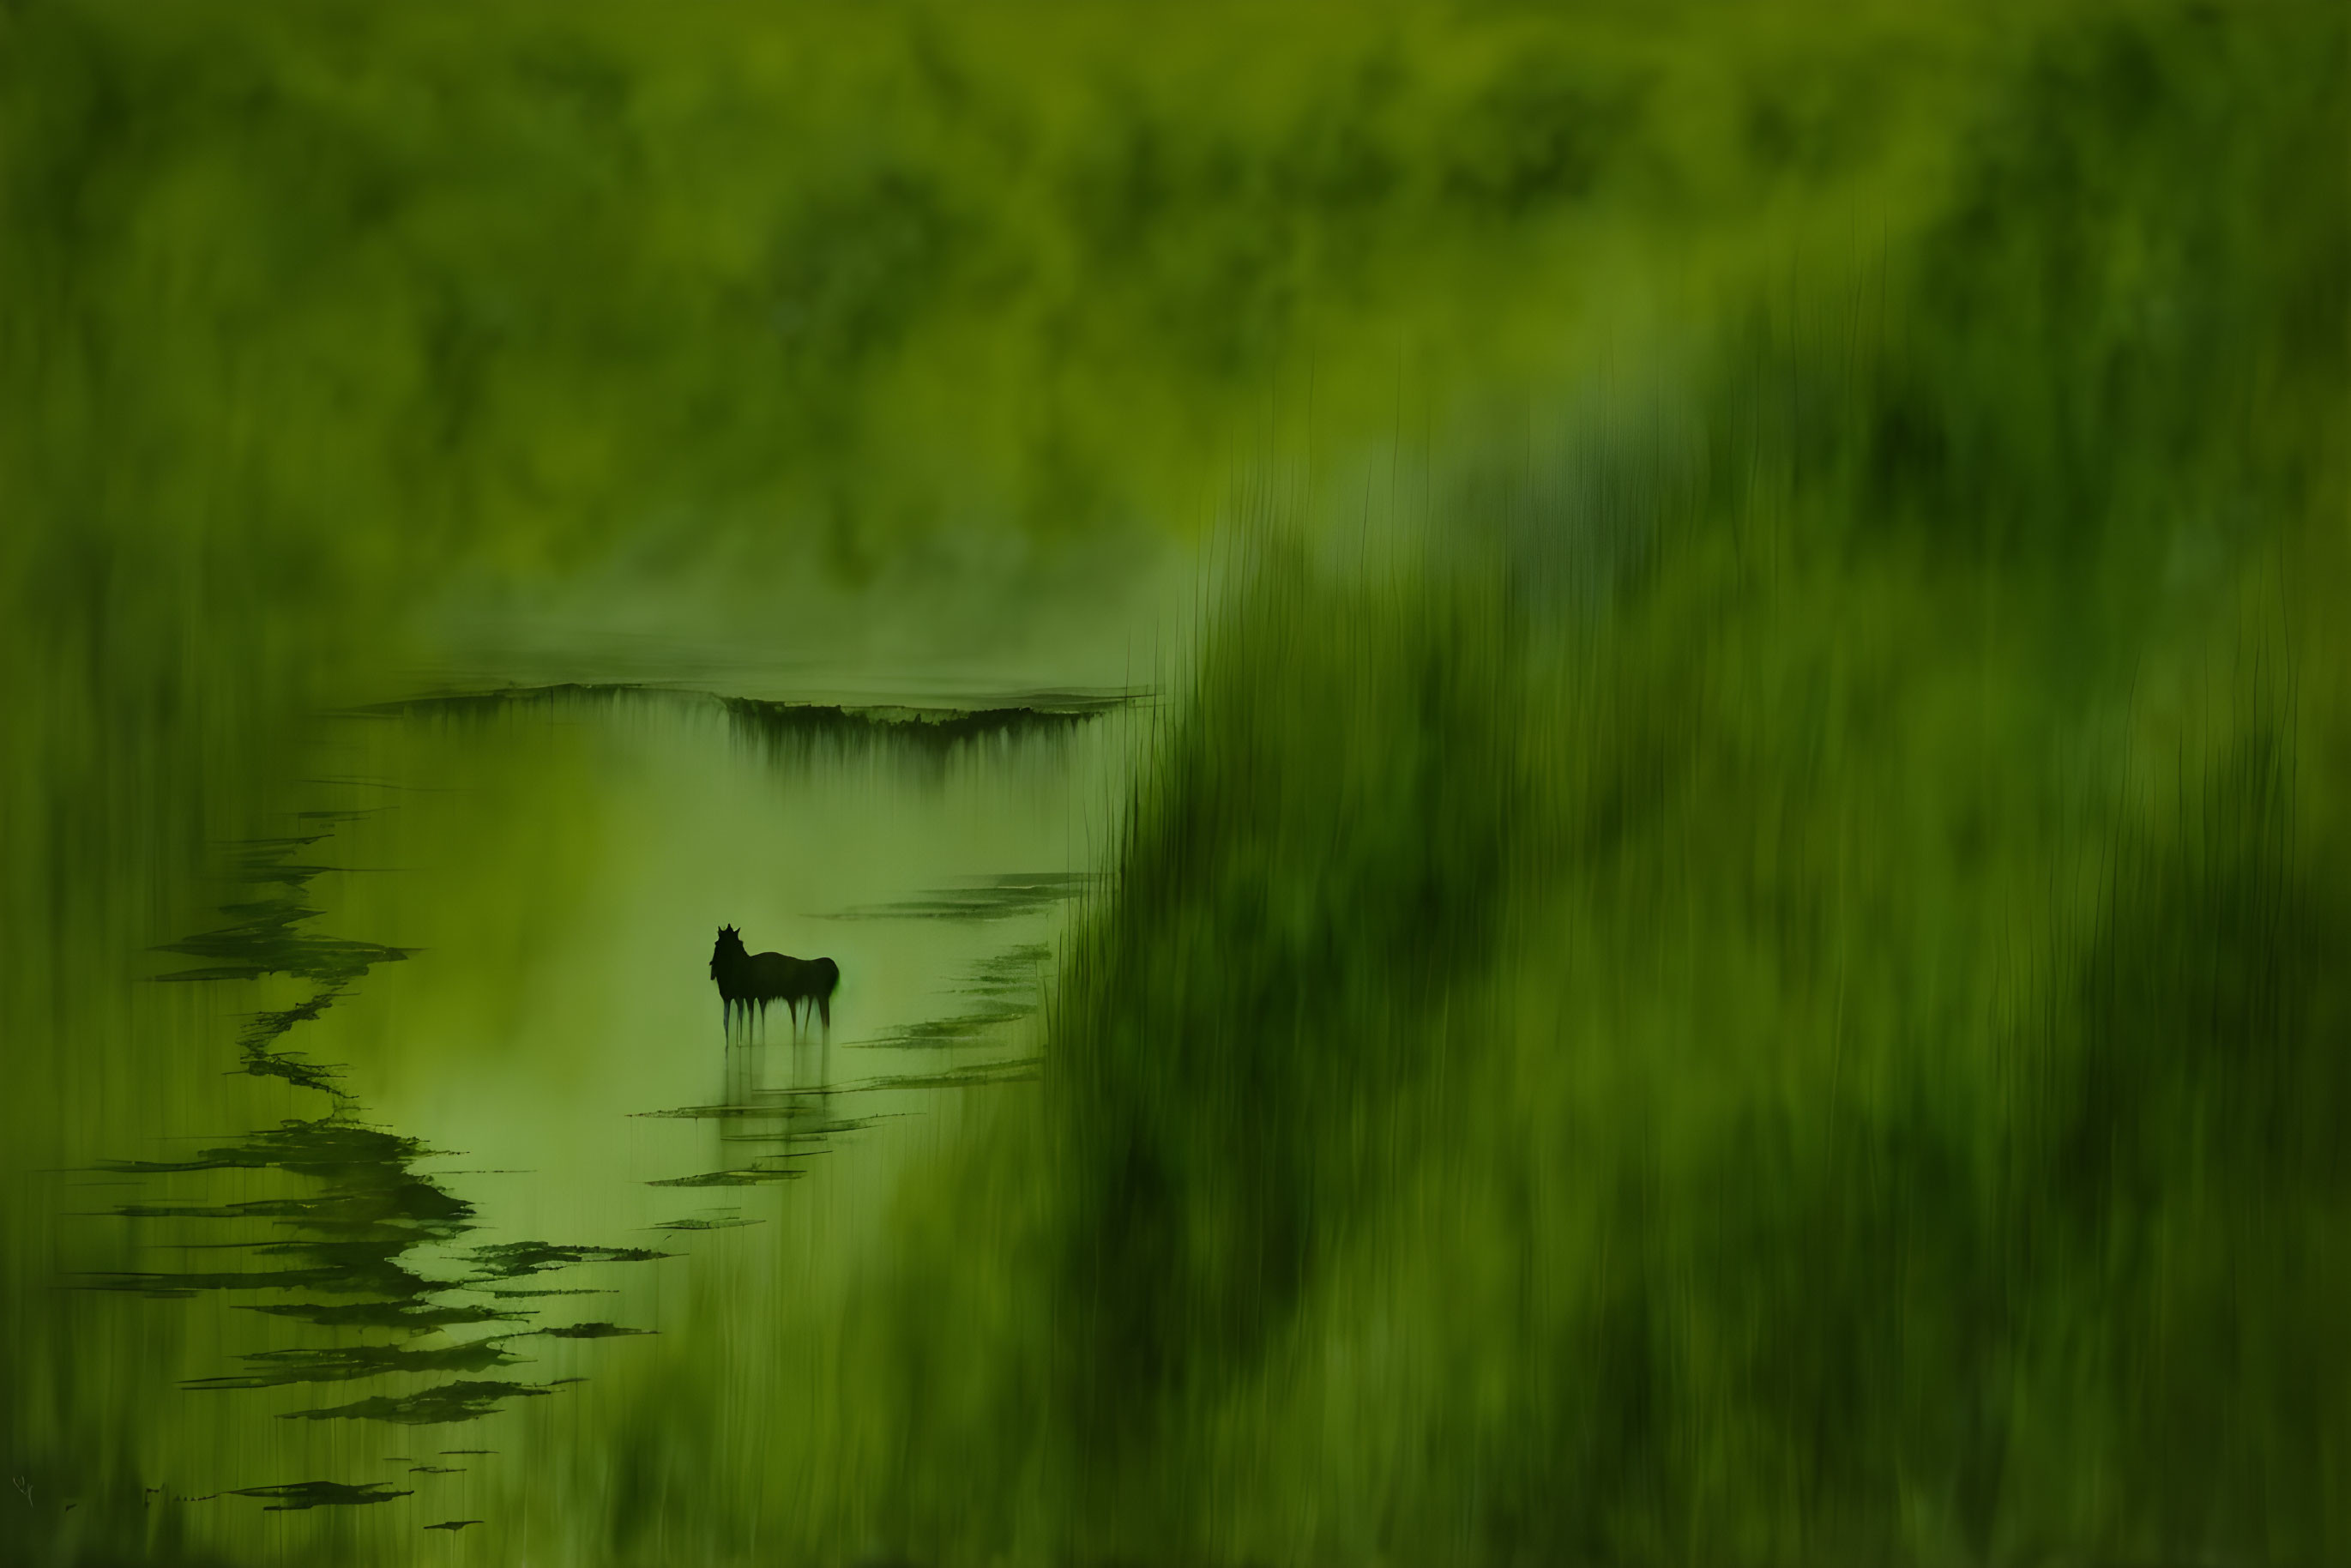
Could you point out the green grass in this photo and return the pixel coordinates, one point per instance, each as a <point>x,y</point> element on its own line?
<point>1822,1045</point>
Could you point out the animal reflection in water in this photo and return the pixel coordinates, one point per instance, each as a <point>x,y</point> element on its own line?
<point>746,979</point>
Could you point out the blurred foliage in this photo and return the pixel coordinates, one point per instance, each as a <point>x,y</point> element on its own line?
<point>317,310</point>
<point>1820,1054</point>
<point>1759,992</point>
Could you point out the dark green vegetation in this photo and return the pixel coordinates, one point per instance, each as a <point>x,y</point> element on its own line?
<point>798,729</point>
<point>795,732</point>
<point>1756,982</point>
<point>1833,1053</point>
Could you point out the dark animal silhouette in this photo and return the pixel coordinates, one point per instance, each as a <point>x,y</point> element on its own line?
<point>747,979</point>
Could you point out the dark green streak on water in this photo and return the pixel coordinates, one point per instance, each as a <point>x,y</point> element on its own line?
<point>298,1495</point>
<point>1001,897</point>
<point>268,938</point>
<point>368,1212</point>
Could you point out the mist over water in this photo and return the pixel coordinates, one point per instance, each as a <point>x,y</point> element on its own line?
<point>1574,775</point>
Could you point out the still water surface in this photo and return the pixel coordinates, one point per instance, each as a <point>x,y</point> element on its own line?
<point>471,1168</point>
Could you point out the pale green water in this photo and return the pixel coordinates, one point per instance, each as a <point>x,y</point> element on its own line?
<point>553,1048</point>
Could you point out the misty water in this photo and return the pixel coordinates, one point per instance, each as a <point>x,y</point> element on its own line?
<point>438,1142</point>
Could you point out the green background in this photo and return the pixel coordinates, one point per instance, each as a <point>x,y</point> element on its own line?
<point>1725,940</point>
